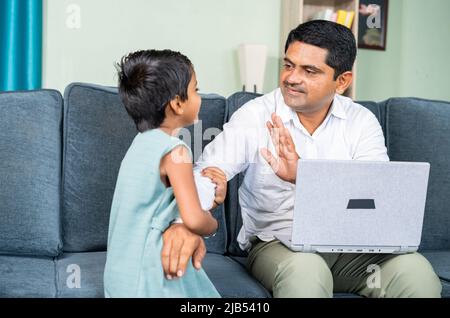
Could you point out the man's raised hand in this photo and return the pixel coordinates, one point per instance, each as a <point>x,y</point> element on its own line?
<point>284,164</point>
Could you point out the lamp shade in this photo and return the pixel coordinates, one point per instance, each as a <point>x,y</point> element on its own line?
<point>252,64</point>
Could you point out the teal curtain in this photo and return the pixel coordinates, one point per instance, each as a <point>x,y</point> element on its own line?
<point>20,44</point>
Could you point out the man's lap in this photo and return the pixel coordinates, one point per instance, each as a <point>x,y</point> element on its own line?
<point>365,274</point>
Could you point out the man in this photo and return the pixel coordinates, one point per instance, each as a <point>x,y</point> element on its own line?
<point>309,119</point>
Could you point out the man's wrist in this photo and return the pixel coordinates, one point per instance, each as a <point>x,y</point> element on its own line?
<point>215,233</point>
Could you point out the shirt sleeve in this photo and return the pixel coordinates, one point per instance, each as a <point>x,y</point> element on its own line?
<point>205,189</point>
<point>371,145</point>
<point>231,151</point>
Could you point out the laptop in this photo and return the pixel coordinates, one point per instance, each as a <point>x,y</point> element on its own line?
<point>358,206</point>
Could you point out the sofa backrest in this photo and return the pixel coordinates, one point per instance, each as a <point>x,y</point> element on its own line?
<point>419,130</point>
<point>97,134</point>
<point>211,120</point>
<point>415,130</point>
<point>30,172</point>
<point>59,165</point>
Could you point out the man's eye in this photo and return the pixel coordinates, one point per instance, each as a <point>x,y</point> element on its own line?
<point>310,72</point>
<point>287,66</point>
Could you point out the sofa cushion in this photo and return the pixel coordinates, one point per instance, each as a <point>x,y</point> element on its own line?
<point>90,267</point>
<point>445,289</point>
<point>27,276</point>
<point>210,124</point>
<point>97,134</point>
<point>30,170</point>
<point>419,130</point>
<point>80,275</point>
<point>383,120</point>
<point>441,262</point>
<point>233,213</point>
<point>232,279</point>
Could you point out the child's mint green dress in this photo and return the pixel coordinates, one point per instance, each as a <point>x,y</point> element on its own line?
<point>142,209</point>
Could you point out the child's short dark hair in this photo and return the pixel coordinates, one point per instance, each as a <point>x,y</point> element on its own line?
<point>149,80</point>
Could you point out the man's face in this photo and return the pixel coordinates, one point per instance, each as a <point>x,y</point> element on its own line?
<point>306,81</point>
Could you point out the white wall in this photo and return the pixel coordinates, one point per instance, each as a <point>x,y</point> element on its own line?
<point>207,31</point>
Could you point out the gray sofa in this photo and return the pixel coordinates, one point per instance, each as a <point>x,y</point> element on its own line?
<point>59,159</point>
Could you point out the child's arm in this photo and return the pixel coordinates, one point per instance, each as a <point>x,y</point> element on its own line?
<point>177,166</point>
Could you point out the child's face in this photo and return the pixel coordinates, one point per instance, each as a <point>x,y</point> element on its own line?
<point>192,103</point>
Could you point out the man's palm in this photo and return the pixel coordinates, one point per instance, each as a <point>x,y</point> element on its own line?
<point>285,163</point>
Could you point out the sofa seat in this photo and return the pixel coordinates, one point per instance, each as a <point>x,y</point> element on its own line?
<point>89,267</point>
<point>231,278</point>
<point>27,276</point>
<point>440,260</point>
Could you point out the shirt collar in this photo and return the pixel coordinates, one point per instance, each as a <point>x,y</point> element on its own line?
<point>286,113</point>
<point>337,109</point>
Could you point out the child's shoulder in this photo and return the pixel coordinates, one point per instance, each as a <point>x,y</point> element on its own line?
<point>158,142</point>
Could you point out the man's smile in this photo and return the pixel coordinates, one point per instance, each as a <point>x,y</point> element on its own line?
<point>294,91</point>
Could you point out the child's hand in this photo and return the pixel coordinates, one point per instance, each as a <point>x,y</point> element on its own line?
<point>218,177</point>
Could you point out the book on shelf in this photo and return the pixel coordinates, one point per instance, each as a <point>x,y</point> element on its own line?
<point>340,16</point>
<point>345,18</point>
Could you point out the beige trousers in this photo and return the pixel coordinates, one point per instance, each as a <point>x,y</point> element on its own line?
<point>294,274</point>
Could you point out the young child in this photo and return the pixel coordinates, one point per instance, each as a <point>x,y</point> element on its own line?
<point>155,184</point>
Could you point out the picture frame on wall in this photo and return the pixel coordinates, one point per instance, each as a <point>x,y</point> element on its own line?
<point>372,28</point>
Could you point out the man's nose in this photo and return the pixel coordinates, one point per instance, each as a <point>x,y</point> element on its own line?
<point>295,77</point>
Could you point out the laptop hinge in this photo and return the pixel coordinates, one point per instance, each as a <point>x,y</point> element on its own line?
<point>404,249</point>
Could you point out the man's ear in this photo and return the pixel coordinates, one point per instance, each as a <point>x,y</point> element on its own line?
<point>176,105</point>
<point>343,82</point>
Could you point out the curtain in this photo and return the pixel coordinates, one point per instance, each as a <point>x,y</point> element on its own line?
<point>20,44</point>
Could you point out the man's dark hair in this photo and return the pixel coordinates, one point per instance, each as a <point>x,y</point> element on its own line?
<point>336,38</point>
<point>149,80</point>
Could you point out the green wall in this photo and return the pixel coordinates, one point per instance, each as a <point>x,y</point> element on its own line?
<point>210,31</point>
<point>416,61</point>
<point>207,31</point>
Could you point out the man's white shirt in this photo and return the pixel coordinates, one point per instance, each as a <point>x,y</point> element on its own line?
<point>349,132</point>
